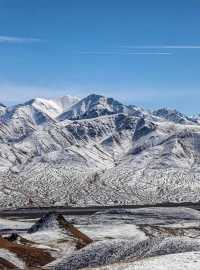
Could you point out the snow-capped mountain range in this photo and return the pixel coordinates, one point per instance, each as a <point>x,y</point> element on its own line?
<point>96,150</point>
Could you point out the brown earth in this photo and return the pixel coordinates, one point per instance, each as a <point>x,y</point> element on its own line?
<point>32,256</point>
<point>6,265</point>
<point>83,238</point>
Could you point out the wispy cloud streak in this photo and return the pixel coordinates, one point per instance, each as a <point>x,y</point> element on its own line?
<point>18,40</point>
<point>123,53</point>
<point>163,47</point>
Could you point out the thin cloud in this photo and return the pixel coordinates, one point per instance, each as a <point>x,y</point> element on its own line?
<point>18,40</point>
<point>163,47</point>
<point>123,53</point>
<point>182,47</point>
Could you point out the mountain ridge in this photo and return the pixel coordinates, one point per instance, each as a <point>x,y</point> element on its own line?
<point>96,151</point>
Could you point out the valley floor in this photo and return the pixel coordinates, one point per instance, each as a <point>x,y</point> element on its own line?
<point>159,238</point>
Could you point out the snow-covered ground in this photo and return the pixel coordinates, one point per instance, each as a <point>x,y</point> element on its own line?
<point>180,261</point>
<point>14,224</point>
<point>123,239</point>
<point>112,231</point>
<point>117,251</point>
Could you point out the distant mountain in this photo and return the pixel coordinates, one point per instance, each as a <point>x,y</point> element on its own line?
<point>96,151</point>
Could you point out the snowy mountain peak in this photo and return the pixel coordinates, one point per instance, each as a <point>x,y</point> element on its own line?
<point>52,107</point>
<point>66,102</point>
<point>93,106</point>
<point>47,106</point>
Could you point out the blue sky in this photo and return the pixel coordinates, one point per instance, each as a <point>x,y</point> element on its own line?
<point>141,52</point>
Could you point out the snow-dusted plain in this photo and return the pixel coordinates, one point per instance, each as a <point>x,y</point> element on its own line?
<point>146,238</point>
<point>116,251</point>
<point>96,151</point>
<point>180,261</point>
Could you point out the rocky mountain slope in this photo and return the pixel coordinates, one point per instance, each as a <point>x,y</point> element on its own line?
<point>96,150</point>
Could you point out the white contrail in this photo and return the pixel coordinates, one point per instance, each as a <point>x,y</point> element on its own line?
<point>163,47</point>
<point>124,53</point>
<point>9,39</point>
